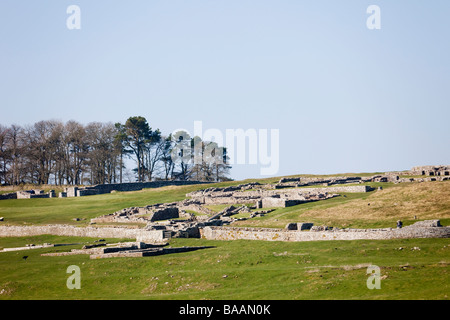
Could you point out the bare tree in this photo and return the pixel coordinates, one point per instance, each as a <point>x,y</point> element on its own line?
<point>71,153</point>
<point>15,145</point>
<point>152,155</point>
<point>41,145</point>
<point>102,155</point>
<point>120,144</point>
<point>4,154</point>
<point>166,156</point>
<point>76,152</point>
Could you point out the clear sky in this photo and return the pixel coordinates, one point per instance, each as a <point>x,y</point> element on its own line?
<point>344,98</point>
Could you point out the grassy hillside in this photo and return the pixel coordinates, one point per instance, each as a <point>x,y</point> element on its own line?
<point>240,269</point>
<point>64,210</point>
<point>235,270</point>
<point>376,209</point>
<point>427,200</point>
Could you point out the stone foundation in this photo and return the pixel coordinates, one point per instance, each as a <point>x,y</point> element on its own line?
<point>430,170</point>
<point>30,194</point>
<point>132,186</point>
<point>7,196</point>
<point>269,234</point>
<point>91,232</point>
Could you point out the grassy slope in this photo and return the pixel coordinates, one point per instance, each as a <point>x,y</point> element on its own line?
<point>376,209</point>
<point>428,200</point>
<point>63,210</point>
<point>307,270</point>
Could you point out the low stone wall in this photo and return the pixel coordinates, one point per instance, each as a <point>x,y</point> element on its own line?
<point>271,202</point>
<point>273,198</point>
<point>132,186</point>
<point>92,232</point>
<point>29,194</point>
<point>142,214</point>
<point>165,214</point>
<point>268,234</point>
<point>225,200</point>
<point>6,196</point>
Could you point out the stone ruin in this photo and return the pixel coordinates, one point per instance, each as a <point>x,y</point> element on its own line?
<point>35,193</point>
<point>70,192</point>
<point>299,226</point>
<point>430,170</point>
<point>303,226</point>
<point>192,217</point>
<point>394,177</point>
<point>142,214</point>
<point>125,249</point>
<point>177,220</point>
<point>262,196</point>
<point>431,173</point>
<point>309,232</point>
<point>173,219</point>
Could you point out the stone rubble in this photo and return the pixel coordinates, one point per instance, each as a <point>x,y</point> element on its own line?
<point>177,220</point>
<point>193,217</point>
<point>126,249</point>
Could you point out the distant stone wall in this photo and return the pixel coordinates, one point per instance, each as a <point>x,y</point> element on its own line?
<point>431,170</point>
<point>29,194</point>
<point>268,234</point>
<point>92,232</point>
<point>349,189</point>
<point>272,202</point>
<point>132,186</point>
<point>6,196</point>
<point>165,214</point>
<point>267,198</point>
<point>423,229</point>
<point>225,200</point>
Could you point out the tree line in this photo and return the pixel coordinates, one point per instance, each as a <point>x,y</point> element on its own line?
<point>54,152</point>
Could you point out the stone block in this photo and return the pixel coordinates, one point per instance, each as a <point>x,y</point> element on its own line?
<point>291,226</point>
<point>272,202</point>
<point>165,214</point>
<point>71,192</point>
<point>304,225</point>
<point>427,224</point>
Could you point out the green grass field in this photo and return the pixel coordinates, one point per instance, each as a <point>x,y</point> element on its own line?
<point>235,270</point>
<point>239,269</point>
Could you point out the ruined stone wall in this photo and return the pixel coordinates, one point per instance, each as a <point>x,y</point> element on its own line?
<point>349,189</point>
<point>29,194</point>
<point>165,214</point>
<point>6,196</point>
<point>268,234</point>
<point>431,170</point>
<point>336,189</point>
<point>71,191</point>
<point>87,192</point>
<point>132,186</point>
<point>94,232</point>
<point>135,186</point>
<point>271,202</point>
<point>226,200</point>
<point>142,214</point>
<point>273,196</point>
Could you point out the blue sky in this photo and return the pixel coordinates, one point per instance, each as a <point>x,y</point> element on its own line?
<point>344,98</point>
